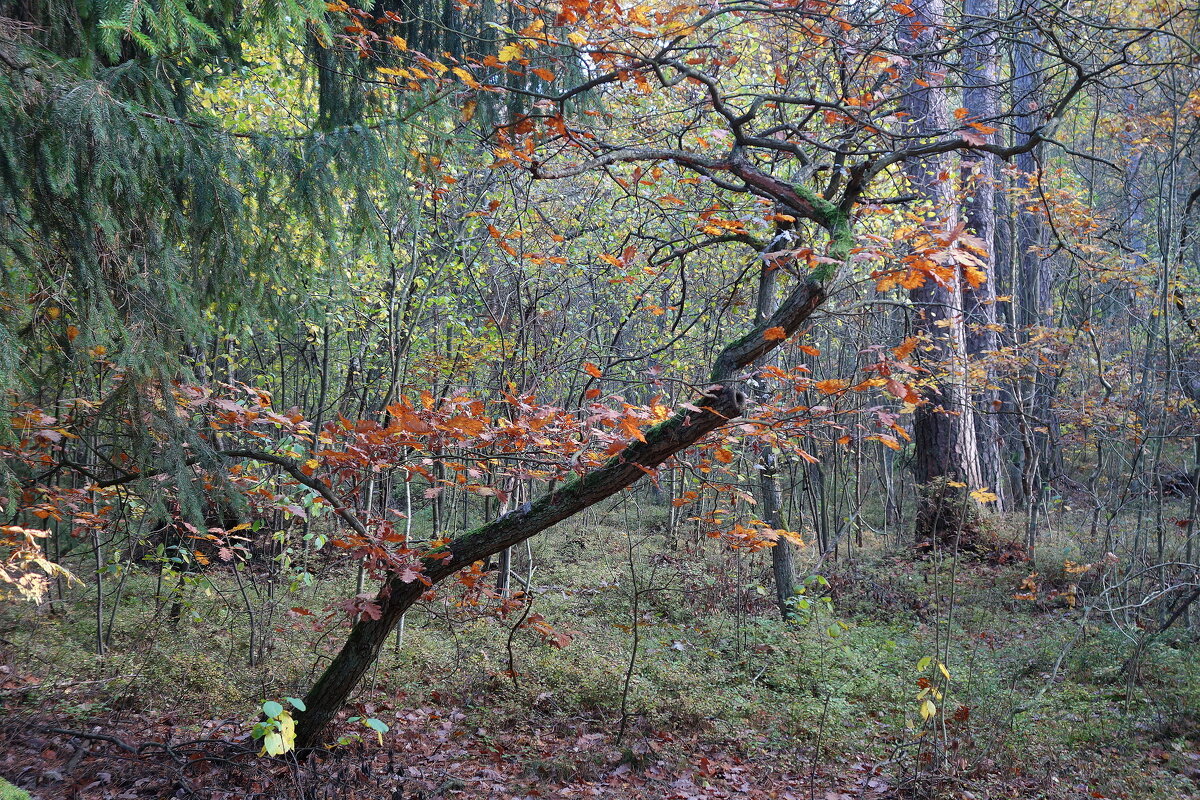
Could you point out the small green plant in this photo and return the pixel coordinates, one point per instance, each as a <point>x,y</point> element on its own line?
<point>806,608</point>
<point>278,730</point>
<point>379,726</point>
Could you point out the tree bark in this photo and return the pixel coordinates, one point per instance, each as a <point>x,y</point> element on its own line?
<point>981,98</point>
<point>943,426</point>
<point>1034,309</point>
<point>783,559</point>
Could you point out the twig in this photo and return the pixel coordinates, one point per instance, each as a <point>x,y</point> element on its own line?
<point>99,737</point>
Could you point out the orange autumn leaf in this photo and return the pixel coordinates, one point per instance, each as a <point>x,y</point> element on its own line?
<point>809,457</point>
<point>405,419</point>
<point>631,428</point>
<point>905,348</point>
<point>592,369</point>
<point>774,334</point>
<point>902,391</point>
<point>467,426</point>
<point>830,385</point>
<point>723,455</point>
<point>974,276</point>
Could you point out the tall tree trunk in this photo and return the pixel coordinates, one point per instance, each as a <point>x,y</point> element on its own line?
<point>783,558</point>
<point>981,98</point>
<point>1034,309</point>
<point>943,426</point>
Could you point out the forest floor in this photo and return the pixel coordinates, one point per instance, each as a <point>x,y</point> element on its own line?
<point>642,669</point>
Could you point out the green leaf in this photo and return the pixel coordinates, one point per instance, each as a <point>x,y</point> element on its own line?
<point>379,727</point>
<point>272,709</point>
<point>296,702</point>
<point>924,663</point>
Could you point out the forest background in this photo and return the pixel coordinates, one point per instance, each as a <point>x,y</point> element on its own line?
<point>763,398</point>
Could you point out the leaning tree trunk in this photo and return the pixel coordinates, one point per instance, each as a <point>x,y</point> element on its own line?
<point>721,402</point>
<point>943,426</point>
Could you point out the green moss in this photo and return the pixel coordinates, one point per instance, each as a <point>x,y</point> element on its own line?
<point>837,224</point>
<point>10,792</point>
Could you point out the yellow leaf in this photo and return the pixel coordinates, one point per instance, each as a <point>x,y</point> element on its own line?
<point>287,730</point>
<point>576,38</point>
<point>467,78</point>
<point>983,496</point>
<point>509,52</point>
<point>928,709</point>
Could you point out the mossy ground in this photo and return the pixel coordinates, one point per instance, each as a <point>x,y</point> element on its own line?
<point>1038,701</point>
